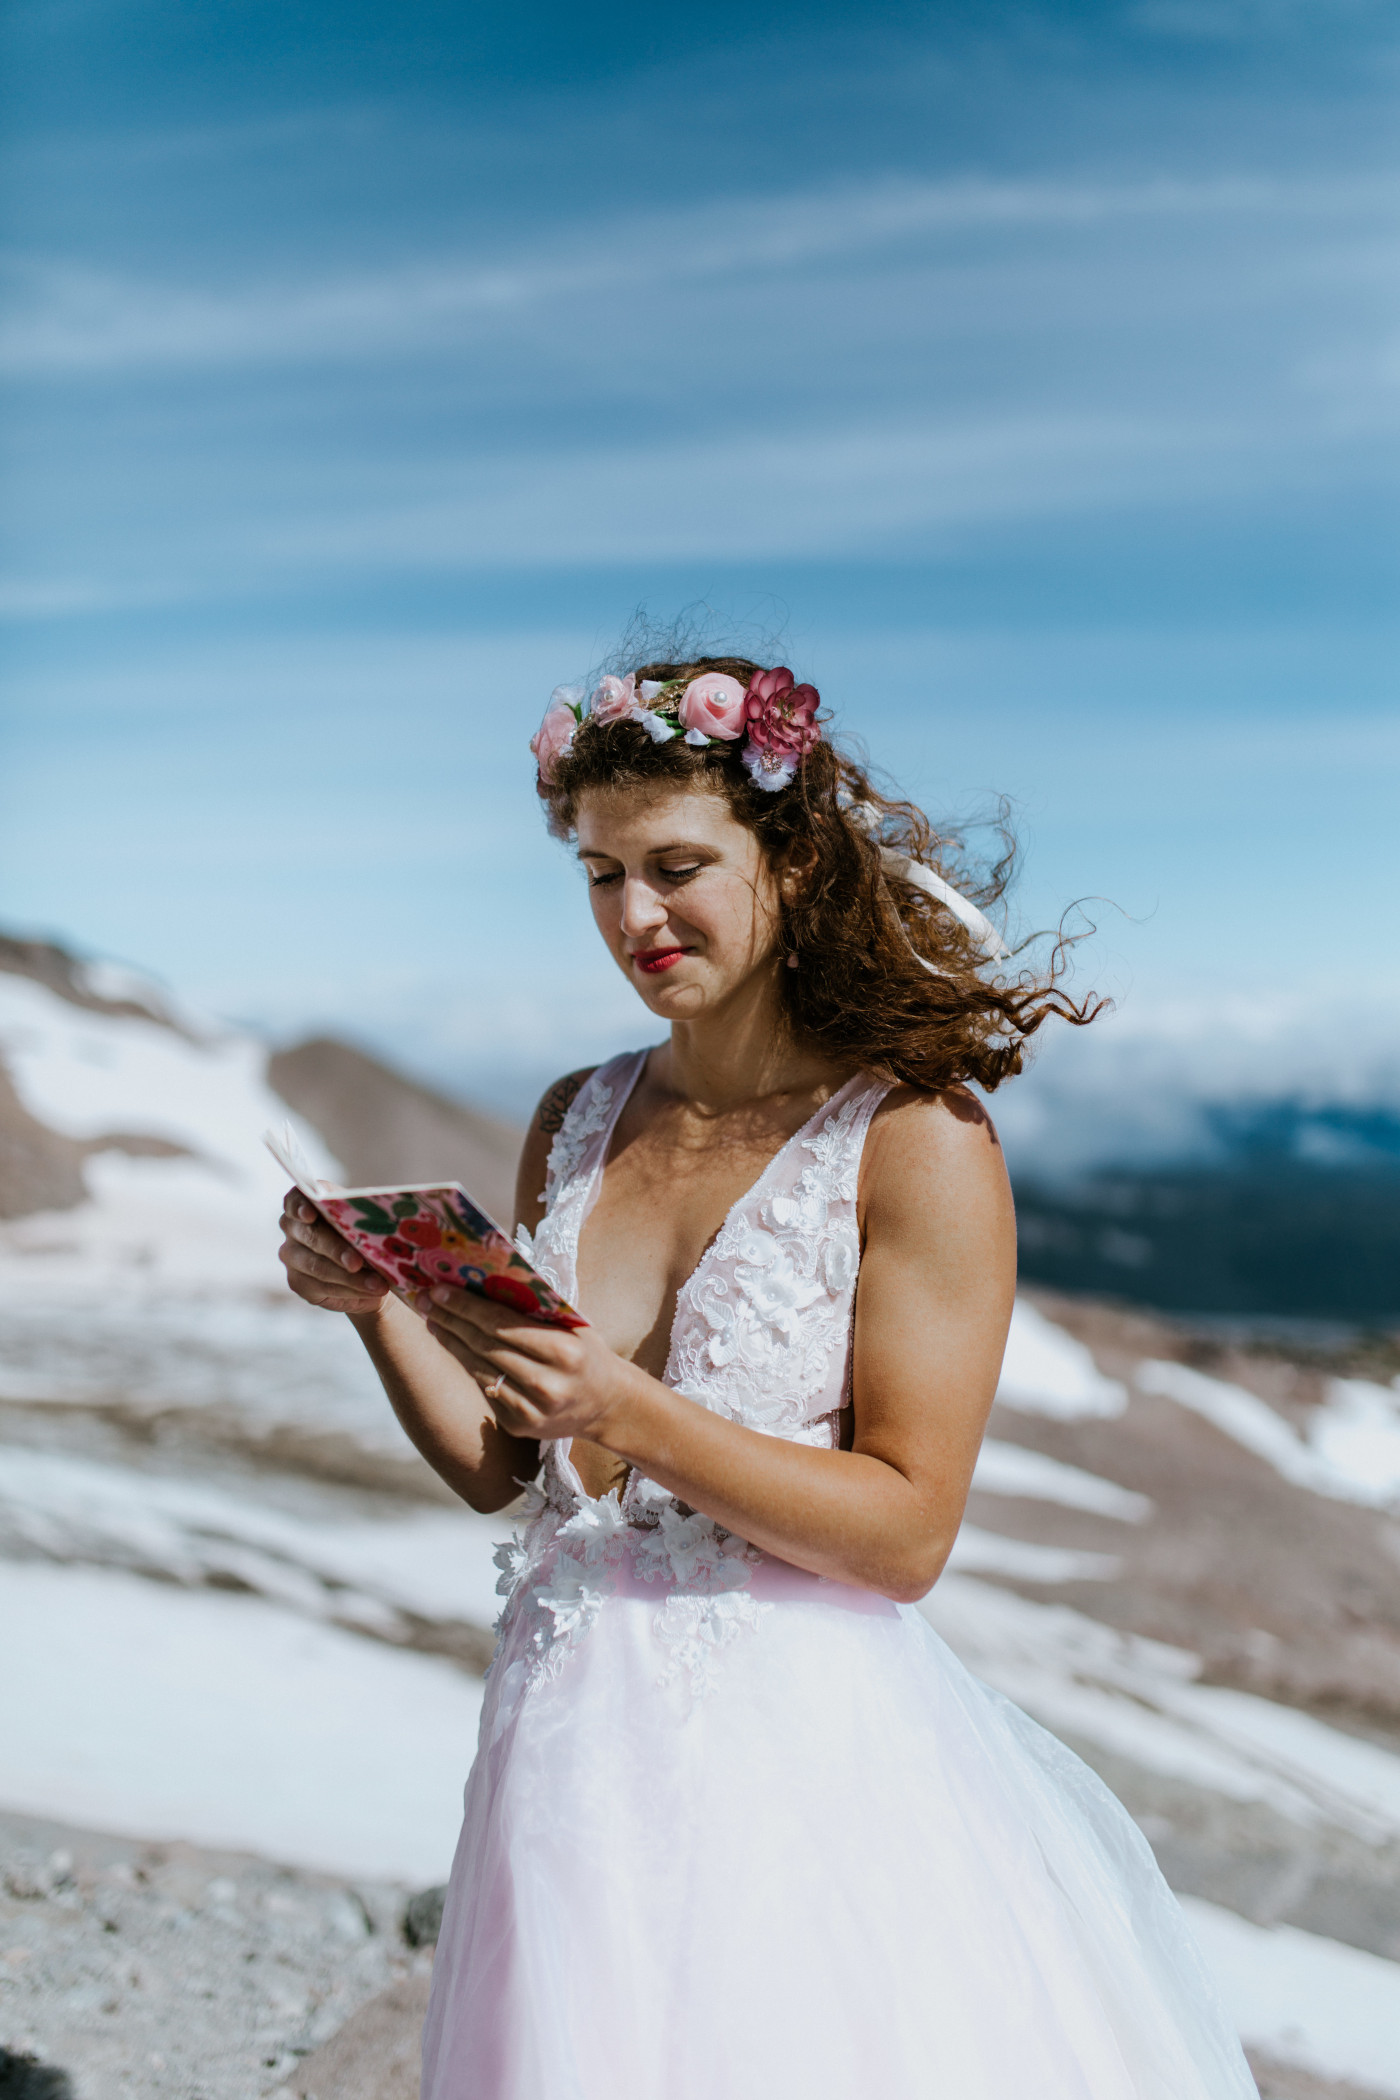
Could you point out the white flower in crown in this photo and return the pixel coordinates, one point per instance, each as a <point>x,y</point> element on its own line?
<point>616,700</point>
<point>765,770</point>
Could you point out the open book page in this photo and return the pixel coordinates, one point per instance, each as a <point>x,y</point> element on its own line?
<point>290,1154</point>
<point>418,1237</point>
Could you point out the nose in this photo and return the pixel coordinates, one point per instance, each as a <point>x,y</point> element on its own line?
<point>642,910</point>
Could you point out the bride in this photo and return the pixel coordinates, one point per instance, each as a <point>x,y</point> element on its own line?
<point>740,1826</point>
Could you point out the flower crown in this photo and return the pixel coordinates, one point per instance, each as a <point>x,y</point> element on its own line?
<point>774,716</point>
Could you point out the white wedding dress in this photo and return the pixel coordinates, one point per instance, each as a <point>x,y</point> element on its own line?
<point>737,1832</point>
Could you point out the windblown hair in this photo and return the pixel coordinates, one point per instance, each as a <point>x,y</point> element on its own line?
<point>860,992</point>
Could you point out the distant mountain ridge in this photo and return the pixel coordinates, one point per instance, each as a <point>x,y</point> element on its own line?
<point>1262,1234</point>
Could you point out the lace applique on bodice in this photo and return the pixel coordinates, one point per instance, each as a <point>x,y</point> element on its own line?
<point>762,1335</point>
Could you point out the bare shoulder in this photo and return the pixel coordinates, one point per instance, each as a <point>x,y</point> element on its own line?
<point>556,1101</point>
<point>545,1125</point>
<point>932,1154</point>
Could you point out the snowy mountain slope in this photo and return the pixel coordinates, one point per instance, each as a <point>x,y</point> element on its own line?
<point>175,1188</point>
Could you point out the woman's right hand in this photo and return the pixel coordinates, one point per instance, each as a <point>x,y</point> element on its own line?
<point>322,1267</point>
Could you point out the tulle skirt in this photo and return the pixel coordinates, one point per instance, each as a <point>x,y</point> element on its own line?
<point>817,1862</point>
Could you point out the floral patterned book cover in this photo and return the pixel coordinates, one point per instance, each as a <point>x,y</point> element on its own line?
<point>417,1237</point>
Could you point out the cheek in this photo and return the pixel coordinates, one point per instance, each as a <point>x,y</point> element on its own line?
<point>738,923</point>
<point>606,907</point>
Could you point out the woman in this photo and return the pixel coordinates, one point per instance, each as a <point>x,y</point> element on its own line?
<point>739,1824</point>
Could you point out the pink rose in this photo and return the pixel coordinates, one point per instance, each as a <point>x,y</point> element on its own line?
<point>714,705</point>
<point>615,700</point>
<point>780,715</point>
<point>554,735</point>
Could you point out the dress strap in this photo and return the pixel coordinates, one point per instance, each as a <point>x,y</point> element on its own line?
<point>582,1137</point>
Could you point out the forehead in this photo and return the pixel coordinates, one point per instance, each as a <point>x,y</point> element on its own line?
<point>623,822</point>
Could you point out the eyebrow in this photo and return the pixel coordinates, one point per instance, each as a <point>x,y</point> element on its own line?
<point>675,846</point>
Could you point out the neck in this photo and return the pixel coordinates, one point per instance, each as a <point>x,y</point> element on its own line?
<point>742,1052</point>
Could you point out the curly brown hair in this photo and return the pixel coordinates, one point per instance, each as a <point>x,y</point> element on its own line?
<point>860,992</point>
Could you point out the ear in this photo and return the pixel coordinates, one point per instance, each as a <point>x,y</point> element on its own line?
<point>797,870</point>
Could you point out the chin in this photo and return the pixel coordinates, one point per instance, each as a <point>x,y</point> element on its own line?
<point>680,1002</point>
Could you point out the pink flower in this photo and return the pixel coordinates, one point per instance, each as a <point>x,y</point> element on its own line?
<point>615,700</point>
<point>780,715</point>
<point>714,705</point>
<point>555,733</point>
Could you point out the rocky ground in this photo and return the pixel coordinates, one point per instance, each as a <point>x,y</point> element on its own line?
<point>171,1972</point>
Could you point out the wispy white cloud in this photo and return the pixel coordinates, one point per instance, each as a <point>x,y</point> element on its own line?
<point>816,489</point>
<point>70,317</point>
<point>53,597</point>
<point>861,488</point>
<point>813,490</point>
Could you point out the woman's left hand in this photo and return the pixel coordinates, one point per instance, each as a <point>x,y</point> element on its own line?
<point>539,1381</point>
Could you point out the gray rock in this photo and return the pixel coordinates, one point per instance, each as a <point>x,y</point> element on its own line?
<point>422,1918</point>
<point>25,2078</point>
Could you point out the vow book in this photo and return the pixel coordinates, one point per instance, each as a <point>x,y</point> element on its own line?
<point>424,1235</point>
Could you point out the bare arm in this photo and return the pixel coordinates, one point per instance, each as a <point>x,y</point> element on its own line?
<point>439,1403</point>
<point>936,1285</point>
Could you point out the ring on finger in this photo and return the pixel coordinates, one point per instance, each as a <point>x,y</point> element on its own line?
<point>496,1387</point>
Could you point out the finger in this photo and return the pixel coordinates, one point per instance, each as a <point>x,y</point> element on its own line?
<point>498,1323</point>
<point>325,1240</point>
<point>512,1410</point>
<point>325,1270</point>
<point>517,1419</point>
<point>486,1346</point>
<point>343,1297</point>
<point>534,1381</point>
<point>351,1302</point>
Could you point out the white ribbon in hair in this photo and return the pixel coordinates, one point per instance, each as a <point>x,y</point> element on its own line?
<point>899,867</point>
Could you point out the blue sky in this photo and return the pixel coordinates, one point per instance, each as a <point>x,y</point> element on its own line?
<point>1033,374</point>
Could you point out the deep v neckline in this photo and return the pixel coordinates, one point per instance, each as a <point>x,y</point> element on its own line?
<point>740,1203</point>
<point>563,1447</point>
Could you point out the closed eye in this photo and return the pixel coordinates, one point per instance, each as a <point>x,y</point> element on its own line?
<point>611,876</point>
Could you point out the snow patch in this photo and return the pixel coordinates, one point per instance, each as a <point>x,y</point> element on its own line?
<point>1350,1453</point>
<point>84,1073</point>
<point>209,1218</point>
<point>977,1552</point>
<point>1046,1372</point>
<point>1357,1437</point>
<point>135,1707</point>
<point>1014,1469</point>
<point>433,1564</point>
<point>1330,2009</point>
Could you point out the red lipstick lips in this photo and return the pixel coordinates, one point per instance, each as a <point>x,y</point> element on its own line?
<point>660,959</point>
